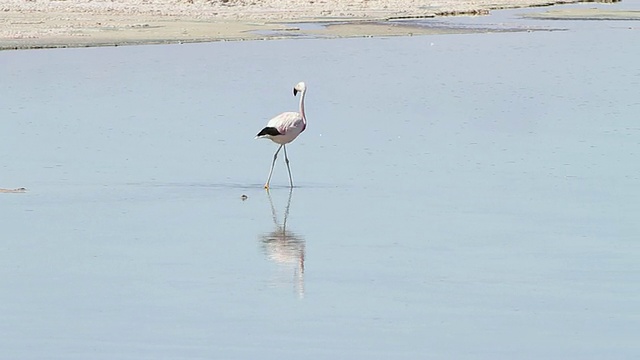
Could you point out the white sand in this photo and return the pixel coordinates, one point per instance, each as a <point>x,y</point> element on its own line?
<point>18,190</point>
<point>47,23</point>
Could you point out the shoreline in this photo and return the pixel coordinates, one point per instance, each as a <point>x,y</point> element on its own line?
<point>86,23</point>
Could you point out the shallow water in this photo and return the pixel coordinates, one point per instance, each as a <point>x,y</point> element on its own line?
<point>457,196</point>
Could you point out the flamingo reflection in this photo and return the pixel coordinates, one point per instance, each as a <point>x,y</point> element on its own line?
<point>285,247</point>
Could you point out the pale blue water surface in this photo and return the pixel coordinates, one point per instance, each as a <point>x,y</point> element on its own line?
<point>457,197</point>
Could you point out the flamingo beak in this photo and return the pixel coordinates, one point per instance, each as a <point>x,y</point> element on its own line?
<point>295,91</point>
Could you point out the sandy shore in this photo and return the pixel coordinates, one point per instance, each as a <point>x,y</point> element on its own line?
<point>13,191</point>
<point>75,23</point>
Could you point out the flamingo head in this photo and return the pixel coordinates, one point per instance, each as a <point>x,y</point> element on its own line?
<point>300,87</point>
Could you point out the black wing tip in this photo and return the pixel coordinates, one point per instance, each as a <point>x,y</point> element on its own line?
<point>268,131</point>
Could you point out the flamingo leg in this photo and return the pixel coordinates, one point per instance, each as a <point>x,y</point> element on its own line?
<point>286,160</point>
<point>275,156</point>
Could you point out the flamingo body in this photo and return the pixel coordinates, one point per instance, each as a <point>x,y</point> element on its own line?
<point>284,128</point>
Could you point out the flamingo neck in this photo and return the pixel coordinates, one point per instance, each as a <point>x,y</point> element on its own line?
<point>304,118</point>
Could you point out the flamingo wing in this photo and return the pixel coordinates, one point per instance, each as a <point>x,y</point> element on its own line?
<point>287,122</point>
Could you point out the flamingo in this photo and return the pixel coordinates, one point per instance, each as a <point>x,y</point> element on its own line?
<point>285,128</point>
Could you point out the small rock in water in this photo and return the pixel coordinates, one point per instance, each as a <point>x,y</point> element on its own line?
<point>244,197</point>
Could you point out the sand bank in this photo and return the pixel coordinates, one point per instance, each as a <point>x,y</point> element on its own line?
<point>586,14</point>
<point>18,190</point>
<point>75,23</point>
